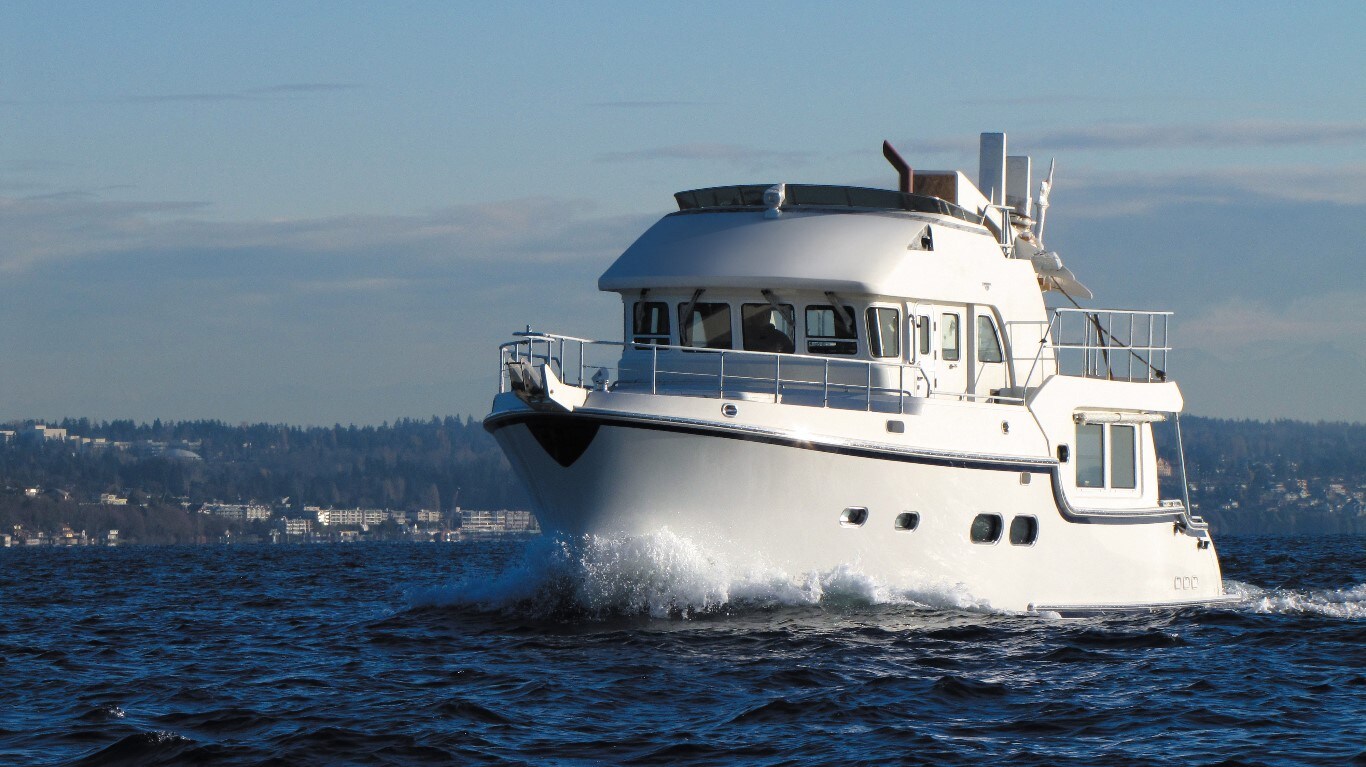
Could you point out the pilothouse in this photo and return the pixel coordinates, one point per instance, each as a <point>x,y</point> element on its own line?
<point>813,376</point>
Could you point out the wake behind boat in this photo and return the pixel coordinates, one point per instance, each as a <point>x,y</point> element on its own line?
<point>815,376</point>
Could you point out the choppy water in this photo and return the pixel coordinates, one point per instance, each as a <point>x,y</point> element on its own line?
<point>642,652</point>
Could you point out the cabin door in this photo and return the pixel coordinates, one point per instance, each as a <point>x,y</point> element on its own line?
<point>951,337</point>
<point>985,353</point>
<point>920,348</point>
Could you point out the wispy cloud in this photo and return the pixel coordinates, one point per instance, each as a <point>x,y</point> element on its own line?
<point>81,226</point>
<point>1243,133</point>
<point>267,93</point>
<point>1241,324</point>
<point>1092,194</point>
<point>732,154</point>
<point>641,104</point>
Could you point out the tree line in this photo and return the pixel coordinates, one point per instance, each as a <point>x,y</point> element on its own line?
<point>438,463</point>
<point>1241,472</point>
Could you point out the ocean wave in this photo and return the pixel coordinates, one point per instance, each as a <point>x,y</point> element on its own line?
<point>663,575</point>
<point>1331,603</point>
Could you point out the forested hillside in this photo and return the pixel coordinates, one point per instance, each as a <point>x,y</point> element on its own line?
<point>410,464</point>
<point>1246,476</point>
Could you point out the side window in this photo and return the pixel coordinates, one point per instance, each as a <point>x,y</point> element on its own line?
<point>707,327</point>
<point>1118,463</point>
<point>988,343</point>
<point>986,528</point>
<point>884,338</point>
<point>767,329</point>
<point>948,336</point>
<point>829,331</point>
<point>650,323</point>
<point>924,330</point>
<point>1090,455</point>
<point>1123,467</point>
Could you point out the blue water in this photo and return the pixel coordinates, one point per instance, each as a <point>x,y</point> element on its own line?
<point>640,652</point>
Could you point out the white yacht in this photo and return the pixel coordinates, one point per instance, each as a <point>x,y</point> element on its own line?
<point>812,377</point>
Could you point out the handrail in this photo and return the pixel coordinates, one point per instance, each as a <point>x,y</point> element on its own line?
<point>817,380</point>
<point>1100,334</point>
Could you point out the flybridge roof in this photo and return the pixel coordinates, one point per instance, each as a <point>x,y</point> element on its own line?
<point>797,196</point>
<point>739,247</point>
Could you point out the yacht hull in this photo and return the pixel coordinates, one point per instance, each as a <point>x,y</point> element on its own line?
<point>780,500</point>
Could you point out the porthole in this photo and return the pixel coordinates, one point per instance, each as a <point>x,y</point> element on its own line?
<point>986,528</point>
<point>907,520</point>
<point>854,516</point>
<point>1024,531</point>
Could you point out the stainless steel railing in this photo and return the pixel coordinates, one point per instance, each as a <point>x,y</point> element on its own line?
<point>1113,344</point>
<point>800,379</point>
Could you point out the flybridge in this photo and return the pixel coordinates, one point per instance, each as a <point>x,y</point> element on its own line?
<point>797,196</point>
<point>1002,198</point>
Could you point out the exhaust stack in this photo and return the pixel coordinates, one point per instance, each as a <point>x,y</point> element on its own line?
<point>904,173</point>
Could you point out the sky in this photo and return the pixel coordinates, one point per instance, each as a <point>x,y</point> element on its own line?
<point>318,213</point>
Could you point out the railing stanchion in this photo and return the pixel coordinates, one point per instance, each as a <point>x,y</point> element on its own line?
<point>868,392</point>
<point>825,386</point>
<point>777,378</point>
<point>722,382</point>
<point>654,370</point>
<point>900,389</point>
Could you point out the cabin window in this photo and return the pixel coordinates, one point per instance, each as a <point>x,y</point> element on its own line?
<point>884,331</point>
<point>948,336</point>
<point>1090,455</point>
<point>986,528</point>
<point>907,520</point>
<point>829,331</point>
<point>1024,531</point>
<point>1123,467</point>
<point>707,326</point>
<point>988,343</point>
<point>650,323</point>
<point>924,328</point>
<point>768,328</point>
<point>1118,463</point>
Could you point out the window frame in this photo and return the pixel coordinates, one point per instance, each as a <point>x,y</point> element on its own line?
<point>1131,464</point>
<point>1109,463</point>
<point>873,328</point>
<point>689,343</point>
<point>642,338</point>
<point>834,340</point>
<point>1032,522</point>
<point>1082,454</point>
<point>1000,529</point>
<point>995,337</point>
<point>745,342</point>
<point>950,320</point>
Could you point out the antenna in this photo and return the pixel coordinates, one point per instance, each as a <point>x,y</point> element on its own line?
<point>1041,204</point>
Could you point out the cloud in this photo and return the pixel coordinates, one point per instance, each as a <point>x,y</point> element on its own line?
<point>267,93</point>
<point>1237,134</point>
<point>1237,325</point>
<point>150,308</point>
<point>305,88</point>
<point>641,104</point>
<point>1242,133</point>
<point>1106,194</point>
<point>731,154</point>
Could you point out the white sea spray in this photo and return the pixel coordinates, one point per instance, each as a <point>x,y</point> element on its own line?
<point>665,575</point>
<point>1331,603</point>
